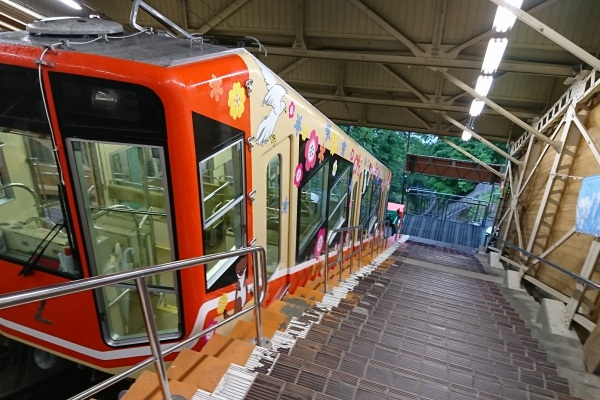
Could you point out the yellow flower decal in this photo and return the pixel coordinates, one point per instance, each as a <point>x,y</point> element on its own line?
<point>304,133</point>
<point>222,304</point>
<point>332,150</point>
<point>237,98</point>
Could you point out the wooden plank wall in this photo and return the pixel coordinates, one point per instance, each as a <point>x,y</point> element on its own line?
<point>573,252</point>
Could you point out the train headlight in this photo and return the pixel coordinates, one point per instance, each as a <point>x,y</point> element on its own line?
<point>105,99</point>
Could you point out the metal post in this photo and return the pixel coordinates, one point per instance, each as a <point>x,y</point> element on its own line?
<point>146,304</point>
<point>257,299</point>
<point>327,261</point>
<point>362,229</point>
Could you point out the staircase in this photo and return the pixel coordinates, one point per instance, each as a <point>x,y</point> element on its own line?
<point>397,329</point>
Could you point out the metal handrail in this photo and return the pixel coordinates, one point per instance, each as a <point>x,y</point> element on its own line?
<point>352,252</point>
<point>36,198</point>
<point>139,275</point>
<point>573,275</point>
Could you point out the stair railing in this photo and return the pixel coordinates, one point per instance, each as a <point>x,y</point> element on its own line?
<point>139,275</point>
<point>353,252</point>
<point>574,301</point>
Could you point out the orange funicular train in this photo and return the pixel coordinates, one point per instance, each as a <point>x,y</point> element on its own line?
<point>123,151</point>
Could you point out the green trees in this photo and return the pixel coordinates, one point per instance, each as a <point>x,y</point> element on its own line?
<point>390,147</point>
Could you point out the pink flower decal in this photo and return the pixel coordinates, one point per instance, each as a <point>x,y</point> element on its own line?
<point>311,150</point>
<point>209,335</point>
<point>216,89</point>
<point>352,155</point>
<point>298,174</point>
<point>291,110</point>
<point>356,170</point>
<point>320,245</point>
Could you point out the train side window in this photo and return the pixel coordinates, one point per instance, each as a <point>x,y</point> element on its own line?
<point>338,199</point>
<point>273,213</point>
<point>222,187</point>
<point>5,194</point>
<point>312,209</point>
<point>124,204</point>
<point>35,232</point>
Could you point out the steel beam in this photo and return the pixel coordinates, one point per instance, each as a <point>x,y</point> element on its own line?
<point>414,48</point>
<point>460,63</point>
<point>472,157</point>
<point>400,103</point>
<point>482,140</point>
<point>551,34</point>
<point>404,82</point>
<point>221,15</point>
<point>298,22</point>
<point>488,34</point>
<point>496,107</point>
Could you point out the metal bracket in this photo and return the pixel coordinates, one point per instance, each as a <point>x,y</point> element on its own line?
<point>252,242</point>
<point>252,196</point>
<point>251,141</point>
<point>248,85</point>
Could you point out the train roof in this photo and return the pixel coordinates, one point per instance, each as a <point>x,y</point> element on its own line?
<point>142,47</point>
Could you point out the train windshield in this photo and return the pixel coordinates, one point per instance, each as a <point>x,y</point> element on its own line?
<point>34,230</point>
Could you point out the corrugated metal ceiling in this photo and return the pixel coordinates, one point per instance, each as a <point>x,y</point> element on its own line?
<point>367,62</point>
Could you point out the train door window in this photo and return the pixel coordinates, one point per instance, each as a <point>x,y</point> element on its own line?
<point>312,209</point>
<point>273,213</point>
<point>125,209</point>
<point>223,208</point>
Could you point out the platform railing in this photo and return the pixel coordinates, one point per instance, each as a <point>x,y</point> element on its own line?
<point>584,282</point>
<point>340,260</point>
<point>379,239</point>
<point>139,275</point>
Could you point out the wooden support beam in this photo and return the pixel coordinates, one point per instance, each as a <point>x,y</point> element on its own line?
<point>586,272</point>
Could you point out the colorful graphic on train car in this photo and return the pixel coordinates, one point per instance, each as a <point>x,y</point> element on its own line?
<point>112,161</point>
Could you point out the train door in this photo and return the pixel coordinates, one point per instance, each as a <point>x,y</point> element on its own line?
<point>115,137</point>
<point>277,178</point>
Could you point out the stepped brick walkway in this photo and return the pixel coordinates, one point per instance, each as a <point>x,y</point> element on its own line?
<point>442,255</point>
<point>415,333</point>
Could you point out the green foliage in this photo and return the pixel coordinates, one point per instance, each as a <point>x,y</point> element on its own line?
<point>390,147</point>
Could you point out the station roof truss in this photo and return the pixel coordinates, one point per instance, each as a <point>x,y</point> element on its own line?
<point>448,168</point>
<point>403,65</point>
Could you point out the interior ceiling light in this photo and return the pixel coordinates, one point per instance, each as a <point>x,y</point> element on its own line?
<point>71,4</point>
<point>493,55</point>
<point>484,82</point>
<point>476,108</point>
<point>22,9</point>
<point>504,19</point>
<point>466,135</point>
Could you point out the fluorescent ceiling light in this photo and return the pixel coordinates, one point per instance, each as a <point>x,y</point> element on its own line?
<point>493,55</point>
<point>484,82</point>
<point>476,108</point>
<point>71,4</point>
<point>466,135</point>
<point>504,19</point>
<point>25,10</point>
